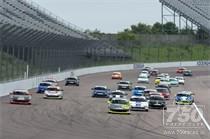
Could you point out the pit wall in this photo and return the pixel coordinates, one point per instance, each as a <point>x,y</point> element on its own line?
<point>6,88</point>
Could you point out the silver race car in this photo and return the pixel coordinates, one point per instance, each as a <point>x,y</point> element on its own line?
<point>20,97</point>
<point>53,92</point>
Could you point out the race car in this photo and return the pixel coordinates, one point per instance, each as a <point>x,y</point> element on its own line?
<point>180,79</point>
<point>184,98</point>
<point>100,91</point>
<point>53,81</point>
<point>174,82</point>
<point>43,86</point>
<point>117,75</point>
<point>124,85</point>
<point>157,80</point>
<point>163,86</point>
<point>164,75</point>
<point>20,97</point>
<point>164,92</point>
<point>119,106</point>
<point>148,92</point>
<point>74,80</point>
<point>139,103</point>
<point>54,92</point>
<point>145,73</point>
<point>180,69</point>
<point>138,90</point>
<point>117,94</point>
<point>160,76</point>
<point>165,81</point>
<point>143,78</point>
<point>154,72</point>
<point>187,73</point>
<point>149,69</point>
<point>157,102</point>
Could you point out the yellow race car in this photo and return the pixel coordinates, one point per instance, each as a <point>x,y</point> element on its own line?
<point>119,106</point>
<point>157,80</point>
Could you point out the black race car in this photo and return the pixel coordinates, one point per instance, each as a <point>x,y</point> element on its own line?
<point>157,102</point>
<point>72,81</point>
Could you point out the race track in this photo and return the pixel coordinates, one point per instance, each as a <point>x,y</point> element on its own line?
<point>79,116</point>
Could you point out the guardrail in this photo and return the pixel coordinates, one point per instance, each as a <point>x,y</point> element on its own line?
<point>30,83</point>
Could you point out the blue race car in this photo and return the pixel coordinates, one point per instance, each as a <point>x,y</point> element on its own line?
<point>138,90</point>
<point>100,91</point>
<point>43,86</point>
<point>184,98</point>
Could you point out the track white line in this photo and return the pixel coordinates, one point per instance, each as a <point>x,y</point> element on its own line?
<point>202,117</point>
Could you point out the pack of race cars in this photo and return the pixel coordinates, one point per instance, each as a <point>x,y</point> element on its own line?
<point>143,98</point>
<point>126,97</point>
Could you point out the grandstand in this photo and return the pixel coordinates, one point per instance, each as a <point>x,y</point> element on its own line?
<point>196,11</point>
<point>30,34</point>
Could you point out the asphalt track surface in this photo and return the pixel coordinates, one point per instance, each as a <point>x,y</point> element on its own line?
<point>79,116</point>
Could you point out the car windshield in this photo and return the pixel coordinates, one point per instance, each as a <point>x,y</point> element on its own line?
<point>156,98</point>
<point>182,95</point>
<point>71,78</point>
<point>139,88</point>
<point>187,71</point>
<point>99,88</point>
<point>19,93</point>
<point>44,84</point>
<point>51,81</point>
<point>164,80</point>
<point>138,99</point>
<point>124,83</point>
<point>117,93</point>
<point>162,90</point>
<point>116,73</point>
<point>52,89</point>
<point>173,80</point>
<point>120,101</point>
<point>180,78</point>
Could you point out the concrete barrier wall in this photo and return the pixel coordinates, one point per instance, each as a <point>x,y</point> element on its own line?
<point>5,88</point>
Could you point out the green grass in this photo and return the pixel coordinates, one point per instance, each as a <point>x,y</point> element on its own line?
<point>12,68</point>
<point>168,53</point>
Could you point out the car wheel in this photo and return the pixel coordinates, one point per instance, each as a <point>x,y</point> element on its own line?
<point>147,110</point>
<point>165,108</point>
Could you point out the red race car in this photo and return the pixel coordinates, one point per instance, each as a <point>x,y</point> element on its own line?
<point>180,70</point>
<point>117,75</point>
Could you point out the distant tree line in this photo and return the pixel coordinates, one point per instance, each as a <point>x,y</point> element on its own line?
<point>157,28</point>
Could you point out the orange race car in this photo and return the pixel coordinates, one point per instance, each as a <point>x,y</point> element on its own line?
<point>180,70</point>
<point>117,75</point>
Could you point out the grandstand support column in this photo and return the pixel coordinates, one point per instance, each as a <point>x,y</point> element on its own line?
<point>174,18</point>
<point>1,61</point>
<point>180,23</point>
<point>186,22</point>
<point>13,62</point>
<point>162,17</point>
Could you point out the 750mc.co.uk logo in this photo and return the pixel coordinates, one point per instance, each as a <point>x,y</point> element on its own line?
<point>183,116</point>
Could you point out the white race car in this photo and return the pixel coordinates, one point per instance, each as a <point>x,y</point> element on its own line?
<point>143,78</point>
<point>53,81</point>
<point>139,103</point>
<point>180,79</point>
<point>165,81</point>
<point>53,92</point>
